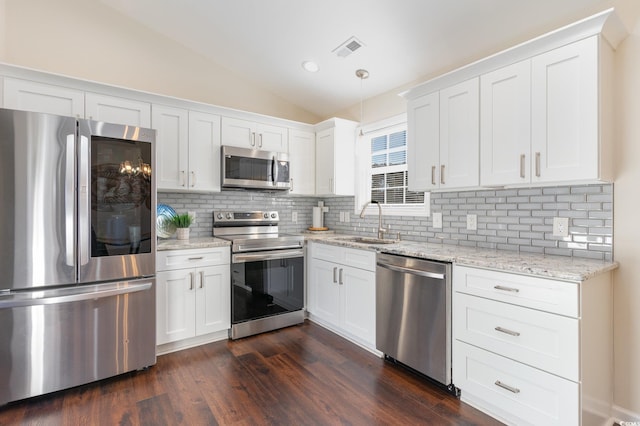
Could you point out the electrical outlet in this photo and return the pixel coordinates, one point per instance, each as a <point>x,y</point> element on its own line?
<point>341,216</point>
<point>347,217</point>
<point>561,227</point>
<point>193,216</point>
<point>472,222</point>
<point>437,220</point>
<point>294,217</point>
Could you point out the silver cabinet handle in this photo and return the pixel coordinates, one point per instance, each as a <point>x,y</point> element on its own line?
<point>537,164</point>
<point>335,270</point>
<point>507,387</point>
<point>202,280</point>
<point>182,178</point>
<point>340,277</point>
<point>442,174</point>
<point>253,138</point>
<point>522,159</point>
<point>260,142</point>
<point>503,288</point>
<point>290,184</point>
<point>193,179</point>
<point>507,331</point>
<point>331,189</point>
<point>196,258</point>
<point>433,175</point>
<point>191,280</point>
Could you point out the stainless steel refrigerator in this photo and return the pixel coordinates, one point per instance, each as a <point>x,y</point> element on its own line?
<point>77,252</point>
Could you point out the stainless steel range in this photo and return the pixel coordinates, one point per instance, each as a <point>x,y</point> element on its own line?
<point>267,272</point>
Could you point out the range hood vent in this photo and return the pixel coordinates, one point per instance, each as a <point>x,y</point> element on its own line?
<point>348,47</point>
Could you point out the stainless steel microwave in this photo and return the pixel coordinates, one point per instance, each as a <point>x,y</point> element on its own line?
<point>254,169</point>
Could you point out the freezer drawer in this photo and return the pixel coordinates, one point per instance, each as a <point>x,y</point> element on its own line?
<point>56,339</point>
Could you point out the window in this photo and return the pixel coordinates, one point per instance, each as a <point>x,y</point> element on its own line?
<point>386,171</point>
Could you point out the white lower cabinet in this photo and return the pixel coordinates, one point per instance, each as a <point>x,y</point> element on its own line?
<point>193,296</point>
<point>533,351</point>
<point>341,291</point>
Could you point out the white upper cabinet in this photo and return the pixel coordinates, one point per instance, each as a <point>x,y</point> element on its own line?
<point>423,145</point>
<point>111,109</point>
<point>505,125</point>
<point>335,158</point>
<point>37,97</point>
<point>302,146</point>
<point>459,135</point>
<point>188,149</point>
<point>249,134</point>
<point>564,113</point>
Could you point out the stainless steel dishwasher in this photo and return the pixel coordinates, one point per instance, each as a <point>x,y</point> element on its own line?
<point>413,314</point>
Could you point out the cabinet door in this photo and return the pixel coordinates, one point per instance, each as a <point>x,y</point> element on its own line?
<point>213,299</point>
<point>564,87</point>
<point>423,142</point>
<point>302,157</point>
<point>116,110</point>
<point>272,138</point>
<point>30,96</point>
<point>324,291</point>
<point>505,127</point>
<point>175,300</point>
<point>358,300</point>
<point>204,151</point>
<point>239,133</point>
<point>172,146</point>
<point>325,162</point>
<point>459,135</point>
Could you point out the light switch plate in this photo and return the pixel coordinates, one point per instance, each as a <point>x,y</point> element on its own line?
<point>347,217</point>
<point>561,227</point>
<point>193,216</point>
<point>437,220</point>
<point>472,222</point>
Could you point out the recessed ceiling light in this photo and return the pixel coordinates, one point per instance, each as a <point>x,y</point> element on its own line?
<point>310,66</point>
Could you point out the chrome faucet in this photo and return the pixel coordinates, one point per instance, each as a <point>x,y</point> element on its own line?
<point>381,230</point>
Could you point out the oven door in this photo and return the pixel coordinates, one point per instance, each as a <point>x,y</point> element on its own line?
<point>266,283</point>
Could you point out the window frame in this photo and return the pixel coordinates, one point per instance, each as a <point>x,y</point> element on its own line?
<point>364,171</point>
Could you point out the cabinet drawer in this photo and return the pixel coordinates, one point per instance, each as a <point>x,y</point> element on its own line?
<point>514,391</point>
<point>559,297</point>
<point>540,339</point>
<point>177,259</point>
<point>361,259</point>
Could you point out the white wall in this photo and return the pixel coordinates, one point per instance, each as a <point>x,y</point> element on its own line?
<point>85,39</point>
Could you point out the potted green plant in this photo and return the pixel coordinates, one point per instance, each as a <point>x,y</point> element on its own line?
<point>182,223</point>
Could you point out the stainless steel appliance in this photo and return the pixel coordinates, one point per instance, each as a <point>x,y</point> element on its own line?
<point>413,314</point>
<point>267,272</point>
<point>77,292</point>
<point>254,169</point>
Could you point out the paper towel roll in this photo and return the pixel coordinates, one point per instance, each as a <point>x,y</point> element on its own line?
<point>317,217</point>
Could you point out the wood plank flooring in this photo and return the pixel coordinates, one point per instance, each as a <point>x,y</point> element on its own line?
<point>301,375</point>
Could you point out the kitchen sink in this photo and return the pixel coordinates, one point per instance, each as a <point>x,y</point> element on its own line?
<point>367,240</point>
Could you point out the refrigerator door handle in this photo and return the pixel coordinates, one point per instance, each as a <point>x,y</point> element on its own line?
<point>83,201</point>
<point>58,297</point>
<point>69,201</point>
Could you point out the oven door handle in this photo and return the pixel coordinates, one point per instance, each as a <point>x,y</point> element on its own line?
<point>252,248</point>
<point>266,255</point>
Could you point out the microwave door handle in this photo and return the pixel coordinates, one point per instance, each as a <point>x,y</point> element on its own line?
<point>274,171</point>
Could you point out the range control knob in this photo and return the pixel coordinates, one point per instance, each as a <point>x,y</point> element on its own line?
<point>220,216</point>
<point>266,215</point>
<point>229,216</point>
<point>274,215</point>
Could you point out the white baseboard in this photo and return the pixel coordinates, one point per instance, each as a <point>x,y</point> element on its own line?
<point>192,342</point>
<point>620,415</point>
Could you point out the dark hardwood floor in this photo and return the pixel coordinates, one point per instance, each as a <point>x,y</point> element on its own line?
<point>302,375</point>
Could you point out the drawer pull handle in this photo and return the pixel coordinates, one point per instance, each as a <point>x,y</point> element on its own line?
<point>335,271</point>
<point>503,288</point>
<point>202,280</point>
<point>507,331</point>
<point>196,258</point>
<point>507,387</point>
<point>340,279</point>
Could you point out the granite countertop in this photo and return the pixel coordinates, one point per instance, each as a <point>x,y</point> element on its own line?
<point>546,266</point>
<point>191,243</point>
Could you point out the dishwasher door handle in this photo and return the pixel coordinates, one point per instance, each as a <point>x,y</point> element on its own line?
<point>412,271</point>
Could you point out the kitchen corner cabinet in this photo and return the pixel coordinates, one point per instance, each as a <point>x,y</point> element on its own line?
<point>335,158</point>
<point>546,119</point>
<point>531,350</point>
<point>302,146</point>
<point>249,134</point>
<point>27,95</point>
<point>188,149</point>
<point>443,135</point>
<point>193,294</point>
<point>341,291</point>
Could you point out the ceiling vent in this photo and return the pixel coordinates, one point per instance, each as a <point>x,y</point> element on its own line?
<point>348,47</point>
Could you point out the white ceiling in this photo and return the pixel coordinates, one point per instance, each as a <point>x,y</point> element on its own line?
<point>265,41</point>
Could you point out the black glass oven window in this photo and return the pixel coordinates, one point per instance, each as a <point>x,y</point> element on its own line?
<point>121,197</point>
<point>266,287</point>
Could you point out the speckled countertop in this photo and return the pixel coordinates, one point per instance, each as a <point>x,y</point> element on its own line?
<point>191,243</point>
<point>557,267</point>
